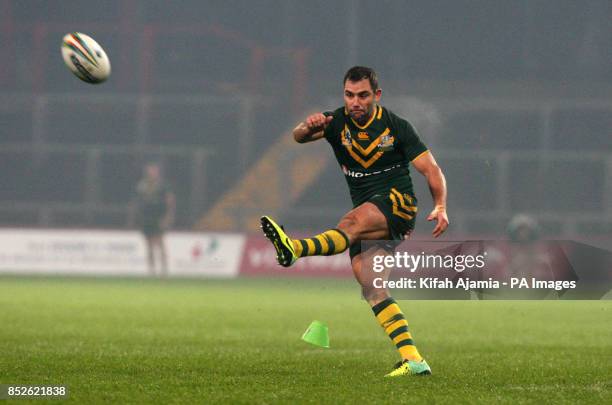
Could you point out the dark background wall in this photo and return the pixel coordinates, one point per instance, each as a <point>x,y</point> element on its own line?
<point>512,96</point>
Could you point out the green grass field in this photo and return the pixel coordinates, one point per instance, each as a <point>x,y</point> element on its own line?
<point>185,341</point>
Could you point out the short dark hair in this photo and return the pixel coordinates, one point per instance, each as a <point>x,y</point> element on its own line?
<point>357,73</point>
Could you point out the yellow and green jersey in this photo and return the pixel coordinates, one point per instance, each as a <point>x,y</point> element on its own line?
<point>374,157</point>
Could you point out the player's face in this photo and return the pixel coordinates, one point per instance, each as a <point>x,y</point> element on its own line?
<point>360,99</point>
<point>152,172</point>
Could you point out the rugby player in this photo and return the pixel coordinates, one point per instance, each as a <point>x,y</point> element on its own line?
<point>374,148</point>
<point>156,205</point>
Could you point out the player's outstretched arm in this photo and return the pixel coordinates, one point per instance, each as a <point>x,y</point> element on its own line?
<point>427,166</point>
<point>312,128</point>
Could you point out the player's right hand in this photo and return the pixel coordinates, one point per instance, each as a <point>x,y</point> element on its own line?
<point>439,214</point>
<point>318,122</point>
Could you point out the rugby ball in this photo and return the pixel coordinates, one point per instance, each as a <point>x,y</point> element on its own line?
<point>85,58</point>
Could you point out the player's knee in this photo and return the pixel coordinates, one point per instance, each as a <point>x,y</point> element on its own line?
<point>373,294</point>
<point>351,225</point>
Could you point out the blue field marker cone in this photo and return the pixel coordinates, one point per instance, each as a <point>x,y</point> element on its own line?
<point>317,334</point>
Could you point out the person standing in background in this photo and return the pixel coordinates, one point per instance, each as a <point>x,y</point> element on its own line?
<point>156,206</point>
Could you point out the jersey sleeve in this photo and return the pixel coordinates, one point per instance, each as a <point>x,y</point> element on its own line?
<point>410,143</point>
<point>332,132</point>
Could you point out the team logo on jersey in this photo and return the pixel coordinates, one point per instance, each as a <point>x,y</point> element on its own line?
<point>386,142</point>
<point>363,136</point>
<point>346,137</point>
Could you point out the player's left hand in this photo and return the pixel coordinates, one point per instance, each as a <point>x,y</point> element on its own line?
<point>439,214</point>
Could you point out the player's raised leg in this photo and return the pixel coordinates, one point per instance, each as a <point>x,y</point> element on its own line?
<point>330,242</point>
<point>363,222</point>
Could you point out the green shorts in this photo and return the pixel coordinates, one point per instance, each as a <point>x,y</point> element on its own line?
<point>152,227</point>
<point>400,210</point>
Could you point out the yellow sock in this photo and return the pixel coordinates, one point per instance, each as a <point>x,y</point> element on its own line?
<point>328,243</point>
<point>391,318</point>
